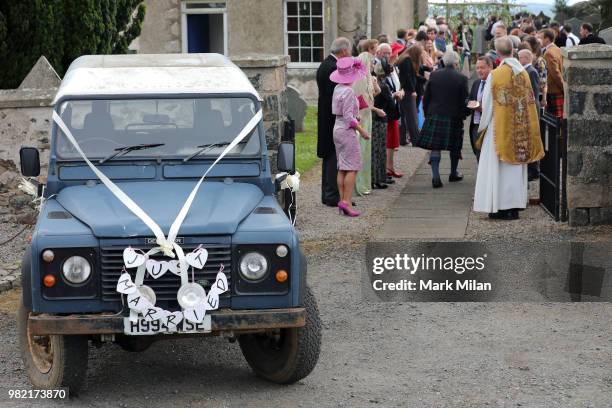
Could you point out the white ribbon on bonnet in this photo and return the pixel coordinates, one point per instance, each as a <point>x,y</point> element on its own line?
<point>165,244</point>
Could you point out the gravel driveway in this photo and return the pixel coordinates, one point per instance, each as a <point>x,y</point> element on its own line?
<point>373,354</point>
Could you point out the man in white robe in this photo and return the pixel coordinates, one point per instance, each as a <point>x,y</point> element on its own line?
<point>501,182</point>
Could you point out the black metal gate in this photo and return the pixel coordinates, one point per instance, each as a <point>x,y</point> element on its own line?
<point>553,167</point>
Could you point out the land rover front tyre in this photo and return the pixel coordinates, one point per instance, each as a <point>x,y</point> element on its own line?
<point>286,355</point>
<point>54,361</point>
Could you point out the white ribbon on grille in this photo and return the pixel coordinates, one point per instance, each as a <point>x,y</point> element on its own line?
<point>165,245</point>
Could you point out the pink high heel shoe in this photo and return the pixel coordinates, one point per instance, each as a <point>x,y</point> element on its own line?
<point>343,209</point>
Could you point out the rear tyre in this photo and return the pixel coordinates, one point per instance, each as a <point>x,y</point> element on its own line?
<point>287,355</point>
<point>53,361</point>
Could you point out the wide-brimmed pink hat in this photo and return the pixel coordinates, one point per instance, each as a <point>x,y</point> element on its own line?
<point>348,70</point>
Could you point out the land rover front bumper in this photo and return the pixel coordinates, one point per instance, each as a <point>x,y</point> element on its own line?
<point>224,320</point>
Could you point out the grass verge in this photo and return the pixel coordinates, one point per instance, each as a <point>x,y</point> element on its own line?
<point>306,142</point>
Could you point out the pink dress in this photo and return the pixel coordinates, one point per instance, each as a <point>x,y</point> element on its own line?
<point>346,108</point>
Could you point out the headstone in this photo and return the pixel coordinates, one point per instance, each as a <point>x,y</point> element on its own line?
<point>575,24</point>
<point>296,107</point>
<point>41,76</point>
<point>606,35</point>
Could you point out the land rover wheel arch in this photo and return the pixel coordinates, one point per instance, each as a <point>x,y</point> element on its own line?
<point>53,361</point>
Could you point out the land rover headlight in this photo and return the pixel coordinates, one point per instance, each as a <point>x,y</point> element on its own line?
<point>253,266</point>
<point>76,269</point>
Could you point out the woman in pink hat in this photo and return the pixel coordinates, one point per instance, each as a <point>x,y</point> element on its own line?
<point>345,106</point>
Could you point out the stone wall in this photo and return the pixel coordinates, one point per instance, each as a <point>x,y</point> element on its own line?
<point>161,29</point>
<point>268,74</point>
<point>255,26</point>
<point>588,99</point>
<point>25,117</point>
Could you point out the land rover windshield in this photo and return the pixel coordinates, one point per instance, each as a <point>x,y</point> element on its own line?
<point>185,128</point>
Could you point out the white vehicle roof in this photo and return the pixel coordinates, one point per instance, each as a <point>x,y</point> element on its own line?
<point>142,74</point>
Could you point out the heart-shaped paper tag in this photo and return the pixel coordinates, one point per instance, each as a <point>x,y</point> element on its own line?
<point>212,300</point>
<point>131,258</point>
<point>196,314</point>
<point>221,283</point>
<point>157,268</point>
<point>153,313</point>
<point>172,319</point>
<point>138,302</point>
<point>197,258</point>
<point>163,315</point>
<point>125,284</point>
<point>173,266</point>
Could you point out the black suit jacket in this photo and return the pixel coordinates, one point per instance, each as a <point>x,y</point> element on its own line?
<point>474,97</point>
<point>534,77</point>
<point>325,118</point>
<point>592,39</point>
<point>446,93</point>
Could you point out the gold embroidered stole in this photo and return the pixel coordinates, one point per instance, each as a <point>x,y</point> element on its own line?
<point>517,128</point>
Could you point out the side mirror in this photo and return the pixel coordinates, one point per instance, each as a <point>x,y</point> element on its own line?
<point>286,157</point>
<point>30,161</point>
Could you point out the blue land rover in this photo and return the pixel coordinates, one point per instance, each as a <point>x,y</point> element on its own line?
<point>132,135</point>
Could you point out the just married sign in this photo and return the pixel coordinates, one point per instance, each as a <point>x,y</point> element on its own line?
<point>192,297</point>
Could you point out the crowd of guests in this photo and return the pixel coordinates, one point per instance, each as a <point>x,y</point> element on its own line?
<point>377,95</point>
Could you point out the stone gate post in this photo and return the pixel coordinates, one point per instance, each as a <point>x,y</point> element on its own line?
<point>268,74</point>
<point>588,103</point>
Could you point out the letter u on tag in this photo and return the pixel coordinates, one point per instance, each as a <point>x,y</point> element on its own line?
<point>157,268</point>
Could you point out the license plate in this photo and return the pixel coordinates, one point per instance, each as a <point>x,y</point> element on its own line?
<point>142,327</point>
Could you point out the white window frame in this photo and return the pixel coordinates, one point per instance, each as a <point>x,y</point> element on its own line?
<point>286,37</point>
<point>185,11</point>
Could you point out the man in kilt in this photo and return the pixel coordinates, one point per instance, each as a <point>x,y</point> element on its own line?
<point>444,104</point>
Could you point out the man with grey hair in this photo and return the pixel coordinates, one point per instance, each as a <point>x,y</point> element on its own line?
<point>503,47</point>
<point>444,104</point>
<point>450,58</point>
<point>340,48</point>
<point>509,138</point>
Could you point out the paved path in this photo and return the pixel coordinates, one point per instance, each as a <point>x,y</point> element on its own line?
<point>424,212</point>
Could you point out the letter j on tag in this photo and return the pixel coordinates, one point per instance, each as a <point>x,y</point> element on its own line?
<point>132,259</point>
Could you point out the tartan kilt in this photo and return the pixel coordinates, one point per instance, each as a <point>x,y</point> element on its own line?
<point>441,132</point>
<point>555,104</point>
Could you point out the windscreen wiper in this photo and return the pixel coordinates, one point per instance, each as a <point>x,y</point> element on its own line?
<point>206,147</point>
<point>120,151</point>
